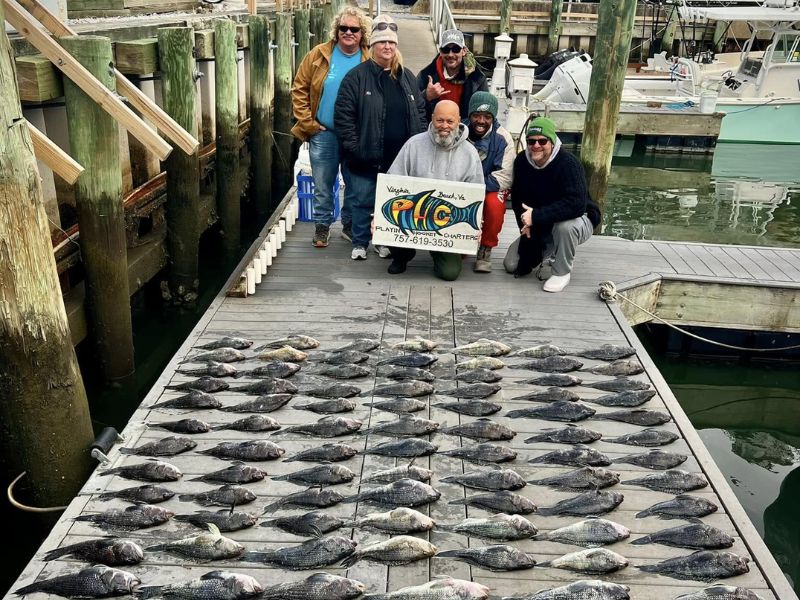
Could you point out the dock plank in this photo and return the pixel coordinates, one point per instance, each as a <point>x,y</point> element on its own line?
<point>324,294</point>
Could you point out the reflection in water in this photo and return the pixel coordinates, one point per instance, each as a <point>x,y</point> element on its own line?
<point>748,416</point>
<point>782,527</point>
<point>744,197</point>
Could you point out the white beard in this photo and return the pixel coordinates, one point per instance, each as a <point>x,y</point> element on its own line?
<point>446,140</point>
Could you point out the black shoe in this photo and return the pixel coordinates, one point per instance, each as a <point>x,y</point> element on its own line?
<point>397,267</point>
<point>522,271</point>
<point>322,234</point>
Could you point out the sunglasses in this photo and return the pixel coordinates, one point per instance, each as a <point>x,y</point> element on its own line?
<point>345,29</point>
<point>450,50</point>
<point>537,141</point>
<point>382,26</point>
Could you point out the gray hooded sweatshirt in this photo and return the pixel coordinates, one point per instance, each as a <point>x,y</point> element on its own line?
<point>421,156</point>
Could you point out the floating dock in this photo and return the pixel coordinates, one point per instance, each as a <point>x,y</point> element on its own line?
<point>324,294</point>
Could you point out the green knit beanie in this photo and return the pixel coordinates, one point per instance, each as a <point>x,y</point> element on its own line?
<point>543,126</point>
<point>483,102</point>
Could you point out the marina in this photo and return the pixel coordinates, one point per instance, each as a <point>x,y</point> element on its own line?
<point>282,286</point>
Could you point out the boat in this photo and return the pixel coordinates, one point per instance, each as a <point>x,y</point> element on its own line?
<point>760,96</point>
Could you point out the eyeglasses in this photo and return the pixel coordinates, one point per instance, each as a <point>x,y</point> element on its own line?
<point>382,26</point>
<point>537,141</point>
<point>450,50</point>
<point>345,29</point>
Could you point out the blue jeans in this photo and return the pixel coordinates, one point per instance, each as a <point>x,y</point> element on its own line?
<point>362,204</point>
<point>325,154</point>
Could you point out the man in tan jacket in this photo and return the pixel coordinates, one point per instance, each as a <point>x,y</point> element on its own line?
<point>314,92</point>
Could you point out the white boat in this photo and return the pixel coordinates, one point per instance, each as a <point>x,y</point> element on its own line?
<point>760,97</point>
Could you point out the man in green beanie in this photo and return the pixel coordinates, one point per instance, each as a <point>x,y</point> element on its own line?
<point>496,150</point>
<point>551,201</point>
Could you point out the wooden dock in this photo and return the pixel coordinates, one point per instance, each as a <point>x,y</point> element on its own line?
<point>324,294</point>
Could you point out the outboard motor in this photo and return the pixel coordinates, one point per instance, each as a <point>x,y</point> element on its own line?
<point>569,82</point>
<point>545,70</point>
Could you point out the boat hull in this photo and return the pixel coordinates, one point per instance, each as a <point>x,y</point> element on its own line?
<point>765,122</point>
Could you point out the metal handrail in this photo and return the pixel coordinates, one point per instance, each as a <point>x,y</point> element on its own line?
<point>441,18</point>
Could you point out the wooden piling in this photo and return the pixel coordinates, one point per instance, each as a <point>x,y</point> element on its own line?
<point>612,48</point>
<point>94,143</point>
<point>505,16</point>
<point>318,26</point>
<point>175,46</point>
<point>45,428</point>
<point>554,33</point>
<point>282,167</point>
<point>669,31</point>
<point>227,122</point>
<point>302,28</point>
<point>328,14</point>
<point>262,89</point>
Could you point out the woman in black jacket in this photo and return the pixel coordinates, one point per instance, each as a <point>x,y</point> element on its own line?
<point>378,108</point>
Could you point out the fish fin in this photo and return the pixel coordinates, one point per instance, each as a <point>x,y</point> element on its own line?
<point>349,561</point>
<point>694,520</point>
<point>316,531</point>
<point>641,541</point>
<point>57,552</point>
<point>213,529</point>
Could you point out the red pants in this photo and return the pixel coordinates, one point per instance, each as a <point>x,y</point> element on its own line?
<point>494,211</point>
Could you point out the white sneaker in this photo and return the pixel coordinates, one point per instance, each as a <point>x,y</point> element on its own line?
<point>359,253</point>
<point>383,251</point>
<point>556,283</point>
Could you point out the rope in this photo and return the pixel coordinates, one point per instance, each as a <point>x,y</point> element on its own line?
<point>33,509</point>
<point>608,293</point>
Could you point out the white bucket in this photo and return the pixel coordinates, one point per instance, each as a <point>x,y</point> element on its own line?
<point>708,102</point>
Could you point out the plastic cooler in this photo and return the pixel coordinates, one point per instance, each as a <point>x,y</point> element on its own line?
<point>305,195</point>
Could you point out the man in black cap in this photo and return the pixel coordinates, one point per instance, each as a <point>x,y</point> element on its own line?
<point>453,75</point>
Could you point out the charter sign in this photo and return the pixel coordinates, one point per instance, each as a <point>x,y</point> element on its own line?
<point>428,214</point>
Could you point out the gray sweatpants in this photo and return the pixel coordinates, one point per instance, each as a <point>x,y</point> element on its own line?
<point>560,245</point>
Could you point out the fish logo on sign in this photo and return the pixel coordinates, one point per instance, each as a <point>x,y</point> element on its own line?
<point>424,212</point>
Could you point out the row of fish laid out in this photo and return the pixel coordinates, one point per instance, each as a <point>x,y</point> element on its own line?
<point>402,549</point>
<point>401,488</point>
<point>101,582</point>
<point>577,455</point>
<point>481,347</point>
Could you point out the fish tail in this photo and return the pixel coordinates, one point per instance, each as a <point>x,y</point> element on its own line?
<point>377,597</point>
<point>449,479</point>
<point>148,591</point>
<point>546,563</point>
<point>450,554</point>
<point>648,568</point>
<point>513,414</point>
<point>642,540</point>
<point>349,561</point>
<point>643,513</point>
<point>186,497</point>
<point>468,214</point>
<point>351,499</point>
<point>128,451</point>
<point>156,548</point>
<point>56,552</point>
<point>459,501</point>
<point>256,556</point>
<point>547,512</point>
<point>275,505</point>
<point>106,496</point>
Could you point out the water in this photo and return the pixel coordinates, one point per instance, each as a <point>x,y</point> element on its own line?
<point>748,194</point>
<point>748,416</point>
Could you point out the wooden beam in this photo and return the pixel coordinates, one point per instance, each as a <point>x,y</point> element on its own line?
<point>25,24</point>
<point>136,57</point>
<point>61,163</point>
<point>166,124</point>
<point>38,79</point>
<point>204,43</point>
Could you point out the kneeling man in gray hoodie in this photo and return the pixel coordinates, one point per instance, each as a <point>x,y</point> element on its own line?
<point>442,152</point>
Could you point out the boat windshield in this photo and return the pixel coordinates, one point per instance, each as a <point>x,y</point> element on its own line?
<point>785,48</point>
